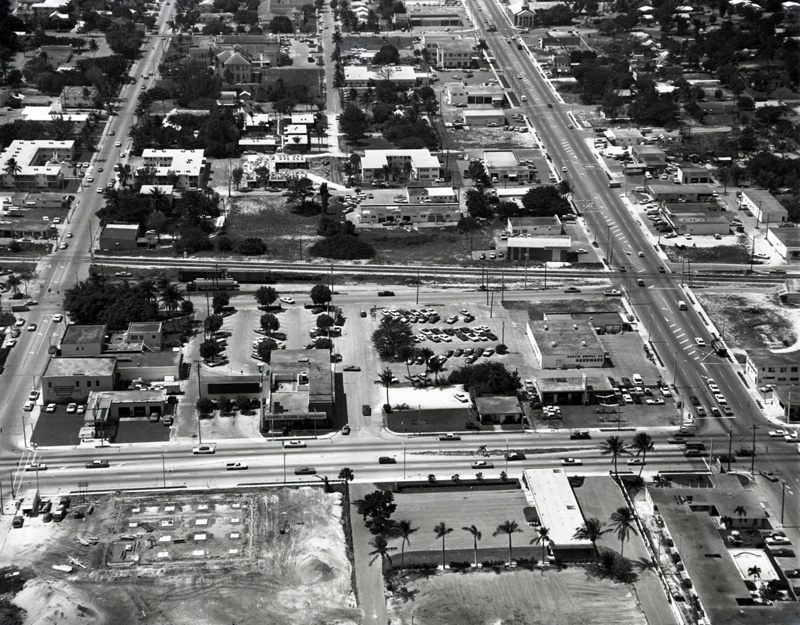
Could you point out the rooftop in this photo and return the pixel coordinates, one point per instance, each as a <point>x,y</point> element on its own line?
<point>500,158</point>
<point>314,361</point>
<point>136,360</point>
<point>27,155</point>
<point>556,337</point>
<point>766,358</point>
<point>80,334</point>
<point>520,222</point>
<point>376,159</point>
<point>790,237</point>
<point>763,199</point>
<point>65,367</point>
<point>145,327</point>
<point>127,397</point>
<point>556,504</point>
<point>498,405</point>
<point>671,187</point>
<point>186,162</point>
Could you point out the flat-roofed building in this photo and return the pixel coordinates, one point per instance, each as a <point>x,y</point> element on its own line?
<point>119,237</point>
<point>539,247</point>
<point>560,39</point>
<point>78,97</point>
<point>506,165</point>
<point>459,94</point>
<point>419,214</point>
<point>83,340</point>
<point>33,229</point>
<point>483,117</point>
<point>700,223</point>
<point>431,195</point>
<point>423,16</point>
<point>652,157</point>
<point>147,334</point>
<point>789,291</point>
<point>624,137</point>
<point>424,166</point>
<point>105,407</point>
<point>688,174</point>
<point>558,510</point>
<point>671,192</point>
<point>786,242</point>
<point>449,52</point>
<point>765,367</point>
<point>562,344</point>
<point>184,169</point>
<point>300,392</point>
<point>764,206</point>
<point>38,163</point>
<point>360,77</point>
<point>149,366</point>
<point>536,226</point>
<point>578,388</point>
<point>72,379</point>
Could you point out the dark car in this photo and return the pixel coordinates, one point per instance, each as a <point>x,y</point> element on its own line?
<point>782,553</point>
<point>97,464</point>
<point>515,455</point>
<point>305,471</point>
<point>572,289</point>
<point>695,401</point>
<point>385,293</point>
<point>792,573</point>
<point>386,460</point>
<point>744,451</point>
<point>366,410</point>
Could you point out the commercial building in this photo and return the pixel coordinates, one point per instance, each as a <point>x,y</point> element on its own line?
<point>72,379</point>
<point>671,192</point>
<point>789,291</point>
<point>700,222</point>
<point>565,344</point>
<point>360,77</point>
<point>300,392</point>
<point>624,137</point>
<point>786,242</point>
<point>418,214</point>
<point>542,248</point>
<point>78,97</point>
<point>184,169</point>
<point>764,206</point>
<point>561,39</point>
<point>765,367</point>
<point>449,52</point>
<point>260,48</point>
<point>39,164</point>
<point>119,237</point>
<point>483,117</point>
<point>431,195</point>
<point>149,366</point>
<point>424,166</point>
<point>104,410</point>
<point>535,226</point>
<point>82,341</point>
<point>33,229</point>
<point>459,94</point>
<point>565,388</point>
<point>423,16</point>
<point>504,165</point>
<point>688,174</point>
<point>652,157</point>
<point>557,509</point>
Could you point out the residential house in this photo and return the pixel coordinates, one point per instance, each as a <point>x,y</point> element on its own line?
<point>497,410</point>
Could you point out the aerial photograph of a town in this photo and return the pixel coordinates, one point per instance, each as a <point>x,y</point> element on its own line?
<point>399,312</point>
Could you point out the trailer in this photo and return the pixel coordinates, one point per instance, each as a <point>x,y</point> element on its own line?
<point>30,502</point>
<point>213,284</point>
<point>719,347</point>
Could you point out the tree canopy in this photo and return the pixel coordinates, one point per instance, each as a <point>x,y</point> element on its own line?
<point>487,378</point>
<point>391,338</point>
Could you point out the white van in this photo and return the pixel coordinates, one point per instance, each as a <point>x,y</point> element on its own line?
<point>637,379</point>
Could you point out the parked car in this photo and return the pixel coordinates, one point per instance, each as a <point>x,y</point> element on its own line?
<point>204,449</point>
<point>386,460</point>
<point>482,464</point>
<point>235,466</point>
<point>305,471</point>
<point>293,443</point>
<point>98,464</point>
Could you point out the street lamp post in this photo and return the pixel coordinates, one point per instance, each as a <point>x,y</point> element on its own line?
<point>506,470</point>
<point>24,435</point>
<point>164,467</point>
<point>404,461</point>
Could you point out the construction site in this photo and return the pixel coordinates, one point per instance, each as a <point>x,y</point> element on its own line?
<point>277,555</point>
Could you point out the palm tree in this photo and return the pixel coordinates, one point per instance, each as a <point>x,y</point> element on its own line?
<point>171,298</point>
<point>564,188</point>
<point>592,529</point>
<point>326,483</point>
<point>158,197</point>
<point>427,354</point>
<point>403,531</point>
<point>13,169</point>
<point>622,522</point>
<point>740,512</point>
<point>13,281</point>
<point>381,551</point>
<point>754,571</point>
<point>662,481</point>
<point>508,527</point>
<point>476,536</point>
<point>542,539</point>
<point>642,443</point>
<point>367,97</point>
<point>93,47</point>
<point>385,377</point>
<point>435,365</point>
<point>441,531</point>
<point>615,446</point>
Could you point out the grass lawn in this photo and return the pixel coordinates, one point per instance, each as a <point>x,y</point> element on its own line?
<point>567,597</point>
<point>426,245</point>
<point>752,320</point>
<point>271,218</point>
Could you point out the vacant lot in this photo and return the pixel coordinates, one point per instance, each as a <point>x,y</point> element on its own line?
<point>273,556</point>
<point>426,245</point>
<point>567,597</point>
<point>751,320</point>
<point>279,224</point>
<point>738,253</point>
<point>499,139</point>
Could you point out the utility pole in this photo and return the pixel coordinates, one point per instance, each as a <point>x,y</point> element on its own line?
<point>199,396</point>
<point>24,435</point>
<point>753,456</point>
<point>417,286</point>
<point>730,446</point>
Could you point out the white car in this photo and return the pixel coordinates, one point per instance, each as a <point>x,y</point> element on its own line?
<point>118,144</point>
<point>31,327</point>
<point>58,318</point>
<point>636,461</point>
<point>665,391</point>
<point>50,408</point>
<point>569,461</point>
<point>36,466</point>
<point>99,189</point>
<point>700,342</point>
<point>204,449</point>
<point>791,437</point>
<point>293,443</point>
<point>778,433</point>
<point>287,300</point>
<point>11,342</point>
<point>72,408</point>
<point>28,406</point>
<point>462,398</point>
<point>720,398</point>
<point>33,395</point>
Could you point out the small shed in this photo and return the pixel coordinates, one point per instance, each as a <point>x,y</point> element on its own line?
<point>498,410</point>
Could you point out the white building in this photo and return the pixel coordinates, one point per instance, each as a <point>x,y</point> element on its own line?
<point>764,206</point>
<point>39,163</point>
<point>362,76</point>
<point>184,169</point>
<point>376,164</point>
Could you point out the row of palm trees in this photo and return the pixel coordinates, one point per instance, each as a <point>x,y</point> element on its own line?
<point>622,523</point>
<point>616,446</point>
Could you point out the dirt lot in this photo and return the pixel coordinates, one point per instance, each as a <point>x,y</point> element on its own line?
<point>567,597</point>
<point>477,137</point>
<point>271,556</point>
<point>429,246</point>
<point>270,217</point>
<point>752,320</point>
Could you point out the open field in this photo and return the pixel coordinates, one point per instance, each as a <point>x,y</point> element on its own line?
<point>478,137</point>
<point>752,320</point>
<point>737,253</point>
<point>541,597</point>
<point>273,556</point>
<point>426,245</point>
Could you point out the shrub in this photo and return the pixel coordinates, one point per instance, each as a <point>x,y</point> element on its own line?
<point>460,566</point>
<point>490,564</point>
<point>501,349</point>
<point>527,563</point>
<point>343,247</point>
<point>252,246</point>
